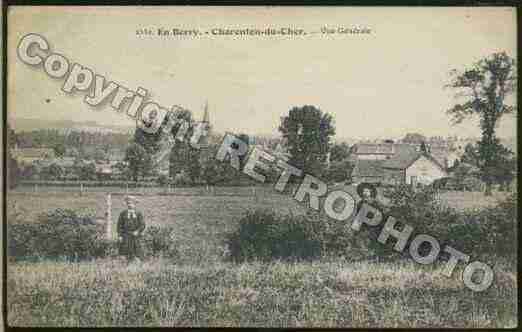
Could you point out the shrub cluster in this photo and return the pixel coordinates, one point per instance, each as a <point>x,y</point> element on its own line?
<point>265,235</point>
<point>158,241</point>
<point>60,233</point>
<point>71,235</point>
<point>484,234</point>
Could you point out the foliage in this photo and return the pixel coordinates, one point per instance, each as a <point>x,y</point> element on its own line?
<point>339,171</point>
<point>139,161</point>
<point>163,180</point>
<point>308,132</point>
<point>483,88</point>
<point>158,241</point>
<point>13,171</point>
<point>122,168</point>
<point>184,158</point>
<point>71,235</point>
<point>52,172</point>
<point>471,155</point>
<point>210,173</point>
<point>414,138</point>
<point>339,152</point>
<point>74,139</point>
<point>182,179</point>
<point>483,233</point>
<point>85,171</point>
<point>264,235</point>
<point>60,233</point>
<point>59,149</point>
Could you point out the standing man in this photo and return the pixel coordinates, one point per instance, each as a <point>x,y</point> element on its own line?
<point>368,239</point>
<point>368,194</point>
<point>130,229</point>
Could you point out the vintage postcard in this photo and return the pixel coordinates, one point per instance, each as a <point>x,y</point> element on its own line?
<point>348,167</point>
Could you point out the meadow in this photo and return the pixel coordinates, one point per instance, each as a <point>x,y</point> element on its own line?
<point>202,288</point>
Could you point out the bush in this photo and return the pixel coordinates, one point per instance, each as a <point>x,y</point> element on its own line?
<point>60,233</point>
<point>67,234</point>
<point>488,233</point>
<point>484,234</point>
<point>265,235</point>
<point>157,241</point>
<point>163,180</point>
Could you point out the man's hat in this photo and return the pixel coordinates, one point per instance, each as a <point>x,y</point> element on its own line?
<point>129,198</point>
<point>364,185</point>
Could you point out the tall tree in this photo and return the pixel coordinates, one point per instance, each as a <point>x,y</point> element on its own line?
<point>184,158</point>
<point>308,132</point>
<point>482,89</point>
<point>139,161</point>
<point>339,152</point>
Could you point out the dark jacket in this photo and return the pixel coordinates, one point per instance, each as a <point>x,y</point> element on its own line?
<point>128,225</point>
<point>130,244</point>
<point>375,203</point>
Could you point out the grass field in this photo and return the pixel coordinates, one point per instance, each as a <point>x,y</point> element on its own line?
<point>203,289</point>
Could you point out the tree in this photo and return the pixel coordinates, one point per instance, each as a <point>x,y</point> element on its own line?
<point>414,138</point>
<point>308,132</point>
<point>339,152</point>
<point>85,171</point>
<point>339,171</point>
<point>210,173</point>
<point>52,172</point>
<point>122,169</point>
<point>184,158</point>
<point>59,149</point>
<point>483,88</point>
<point>471,155</point>
<point>503,166</point>
<point>139,161</point>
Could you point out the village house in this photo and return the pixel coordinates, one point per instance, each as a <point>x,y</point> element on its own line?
<point>391,164</point>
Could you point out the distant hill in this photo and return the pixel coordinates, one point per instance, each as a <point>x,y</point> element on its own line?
<point>27,124</point>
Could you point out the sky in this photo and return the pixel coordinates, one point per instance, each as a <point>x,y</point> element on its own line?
<point>383,84</point>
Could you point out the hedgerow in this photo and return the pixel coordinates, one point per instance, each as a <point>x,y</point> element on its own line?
<point>66,234</point>
<point>484,234</point>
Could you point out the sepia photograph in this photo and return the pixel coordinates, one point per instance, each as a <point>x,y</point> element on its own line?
<point>260,166</point>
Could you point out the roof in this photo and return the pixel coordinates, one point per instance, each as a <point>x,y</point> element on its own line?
<point>373,148</point>
<point>103,168</point>
<point>408,160</point>
<point>404,156</point>
<point>368,168</point>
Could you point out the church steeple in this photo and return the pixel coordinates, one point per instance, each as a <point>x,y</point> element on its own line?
<point>206,118</point>
<point>205,153</point>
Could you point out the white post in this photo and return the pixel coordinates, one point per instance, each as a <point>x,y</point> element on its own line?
<point>109,219</point>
